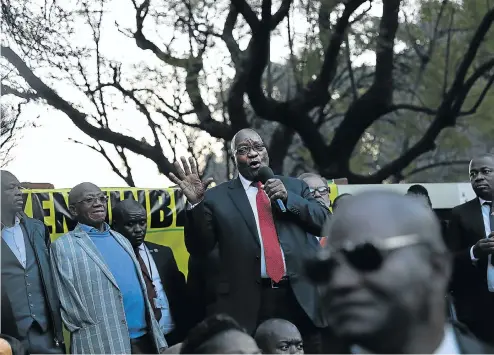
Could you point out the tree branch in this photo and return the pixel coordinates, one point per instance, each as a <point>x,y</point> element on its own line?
<point>80,119</point>
<point>436,165</point>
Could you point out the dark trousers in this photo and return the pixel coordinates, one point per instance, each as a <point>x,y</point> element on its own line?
<point>282,303</point>
<point>39,342</point>
<point>143,345</point>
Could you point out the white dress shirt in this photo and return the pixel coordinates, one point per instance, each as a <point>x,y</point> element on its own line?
<point>449,344</point>
<point>14,237</point>
<point>166,322</point>
<point>251,192</point>
<point>486,211</point>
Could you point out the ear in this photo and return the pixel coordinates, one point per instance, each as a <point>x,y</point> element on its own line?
<point>73,210</point>
<point>234,160</point>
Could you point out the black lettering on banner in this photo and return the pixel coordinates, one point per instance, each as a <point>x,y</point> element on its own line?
<point>62,213</point>
<point>38,211</point>
<point>161,214</point>
<point>113,200</point>
<point>24,199</point>
<point>128,195</point>
<point>179,207</point>
<point>141,198</point>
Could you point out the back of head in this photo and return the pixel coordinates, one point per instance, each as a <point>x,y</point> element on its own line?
<point>201,339</point>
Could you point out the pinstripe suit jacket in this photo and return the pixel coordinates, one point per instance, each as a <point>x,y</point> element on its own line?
<point>92,304</point>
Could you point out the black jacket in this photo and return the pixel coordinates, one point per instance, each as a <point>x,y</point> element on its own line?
<point>225,219</point>
<point>38,236</point>
<point>174,285</point>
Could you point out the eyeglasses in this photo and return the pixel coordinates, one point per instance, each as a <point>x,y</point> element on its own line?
<point>363,257</point>
<point>244,150</point>
<point>323,190</point>
<point>91,200</point>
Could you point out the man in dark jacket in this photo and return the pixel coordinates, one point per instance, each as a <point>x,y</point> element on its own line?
<point>30,307</point>
<point>166,284</point>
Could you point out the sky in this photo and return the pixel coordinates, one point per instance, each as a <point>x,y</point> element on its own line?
<point>47,154</point>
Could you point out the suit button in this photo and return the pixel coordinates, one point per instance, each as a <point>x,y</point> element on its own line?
<point>257,257</point>
<point>123,321</point>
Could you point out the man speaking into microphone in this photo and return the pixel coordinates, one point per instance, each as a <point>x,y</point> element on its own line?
<point>261,229</point>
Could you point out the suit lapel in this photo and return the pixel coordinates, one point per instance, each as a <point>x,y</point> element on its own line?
<point>241,202</point>
<point>88,246</point>
<point>160,262</point>
<point>476,218</point>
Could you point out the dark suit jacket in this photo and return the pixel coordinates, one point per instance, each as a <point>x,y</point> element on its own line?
<point>469,283</point>
<point>468,343</point>
<point>202,281</point>
<point>225,218</point>
<point>174,285</point>
<point>39,239</point>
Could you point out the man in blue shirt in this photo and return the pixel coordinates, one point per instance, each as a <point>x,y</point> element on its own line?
<point>100,284</point>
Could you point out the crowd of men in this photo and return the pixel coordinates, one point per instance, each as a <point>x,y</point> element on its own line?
<point>271,270</point>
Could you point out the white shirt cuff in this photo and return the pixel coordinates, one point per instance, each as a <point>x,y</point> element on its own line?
<point>474,259</point>
<point>191,206</point>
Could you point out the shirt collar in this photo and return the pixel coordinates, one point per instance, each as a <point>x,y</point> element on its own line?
<point>89,229</point>
<point>482,201</point>
<point>17,220</point>
<point>245,183</point>
<point>448,345</point>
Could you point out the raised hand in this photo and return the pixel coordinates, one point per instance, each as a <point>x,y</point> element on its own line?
<point>189,181</point>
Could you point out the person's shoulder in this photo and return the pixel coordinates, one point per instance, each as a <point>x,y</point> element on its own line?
<point>218,189</point>
<point>33,222</point>
<point>63,240</point>
<point>153,247</point>
<point>466,206</point>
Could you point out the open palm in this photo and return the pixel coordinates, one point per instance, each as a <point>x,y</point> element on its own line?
<point>189,181</point>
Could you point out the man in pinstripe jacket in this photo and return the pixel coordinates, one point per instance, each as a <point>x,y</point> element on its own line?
<point>100,284</point>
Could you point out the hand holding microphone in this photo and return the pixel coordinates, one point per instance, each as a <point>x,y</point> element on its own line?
<point>273,187</point>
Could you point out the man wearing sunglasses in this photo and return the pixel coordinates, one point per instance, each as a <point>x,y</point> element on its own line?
<point>261,247</point>
<point>100,284</point>
<point>384,275</point>
<point>471,236</point>
<point>30,306</point>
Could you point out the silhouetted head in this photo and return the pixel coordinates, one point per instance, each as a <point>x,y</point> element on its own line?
<point>384,271</point>
<point>340,199</point>
<point>420,192</point>
<point>279,336</point>
<point>318,187</point>
<point>88,204</point>
<point>129,218</point>
<point>11,192</point>
<point>249,153</point>
<point>481,172</point>
<point>219,334</point>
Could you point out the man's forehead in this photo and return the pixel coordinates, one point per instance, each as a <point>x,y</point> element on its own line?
<point>247,137</point>
<point>134,213</point>
<point>482,162</point>
<point>314,181</point>
<point>8,179</point>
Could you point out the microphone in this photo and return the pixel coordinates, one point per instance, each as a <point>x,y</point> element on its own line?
<point>265,173</point>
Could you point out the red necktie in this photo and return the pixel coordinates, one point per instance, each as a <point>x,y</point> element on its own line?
<point>272,249</point>
<point>323,241</point>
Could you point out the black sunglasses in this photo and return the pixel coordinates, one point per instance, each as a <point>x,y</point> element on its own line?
<point>363,257</point>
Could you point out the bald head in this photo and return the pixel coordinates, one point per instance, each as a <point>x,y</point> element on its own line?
<point>88,205</point>
<point>79,190</point>
<point>130,220</point>
<point>386,271</point>
<point>243,134</point>
<point>381,215</point>
<point>279,336</point>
